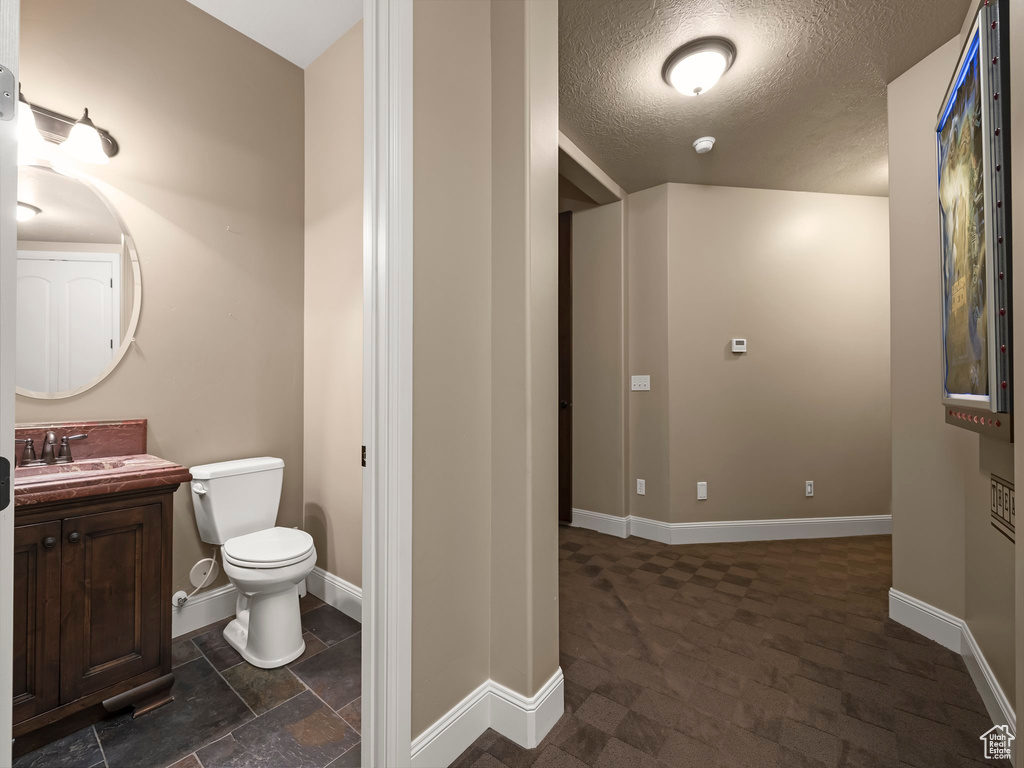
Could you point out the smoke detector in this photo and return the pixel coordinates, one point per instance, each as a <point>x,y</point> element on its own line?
<point>704,144</point>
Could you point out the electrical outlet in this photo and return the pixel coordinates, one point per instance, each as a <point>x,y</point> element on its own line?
<point>809,488</point>
<point>702,491</point>
<point>641,383</point>
<point>641,487</point>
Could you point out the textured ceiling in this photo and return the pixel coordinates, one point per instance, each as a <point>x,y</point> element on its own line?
<point>803,107</point>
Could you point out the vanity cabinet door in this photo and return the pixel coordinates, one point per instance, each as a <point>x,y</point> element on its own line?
<point>110,598</point>
<point>36,619</point>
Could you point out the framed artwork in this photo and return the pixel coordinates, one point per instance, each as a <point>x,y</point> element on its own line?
<point>973,155</point>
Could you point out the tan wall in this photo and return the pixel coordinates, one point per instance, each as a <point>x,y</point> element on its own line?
<point>647,258</point>
<point>804,278</point>
<point>485,558</point>
<point>524,353</point>
<point>599,378</point>
<point>451,355</point>
<point>214,199</point>
<point>927,499</point>
<point>332,416</point>
<point>945,551</point>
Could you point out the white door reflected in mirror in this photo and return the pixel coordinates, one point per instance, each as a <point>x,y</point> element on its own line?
<point>79,285</point>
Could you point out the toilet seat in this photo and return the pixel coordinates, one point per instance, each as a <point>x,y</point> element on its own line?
<point>270,548</point>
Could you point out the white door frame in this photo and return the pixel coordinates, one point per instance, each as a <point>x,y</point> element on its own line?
<point>387,383</point>
<point>387,380</point>
<point>9,27</point>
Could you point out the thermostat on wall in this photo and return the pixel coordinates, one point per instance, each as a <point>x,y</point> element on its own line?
<point>739,345</point>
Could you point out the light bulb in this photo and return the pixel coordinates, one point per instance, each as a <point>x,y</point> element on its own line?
<point>30,142</point>
<point>84,143</point>
<point>697,66</point>
<point>26,211</point>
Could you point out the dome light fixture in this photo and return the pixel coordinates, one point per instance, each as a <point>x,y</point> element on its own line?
<point>26,211</point>
<point>85,143</point>
<point>695,67</point>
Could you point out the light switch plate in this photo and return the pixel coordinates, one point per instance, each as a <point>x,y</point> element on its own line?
<point>702,491</point>
<point>809,488</point>
<point>641,383</point>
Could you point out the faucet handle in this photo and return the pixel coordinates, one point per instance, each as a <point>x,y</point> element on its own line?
<point>29,454</point>
<point>64,454</point>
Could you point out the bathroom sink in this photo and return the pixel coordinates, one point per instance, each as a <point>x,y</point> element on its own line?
<point>88,465</point>
<point>51,483</point>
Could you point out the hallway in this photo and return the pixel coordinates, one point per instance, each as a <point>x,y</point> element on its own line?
<point>742,655</point>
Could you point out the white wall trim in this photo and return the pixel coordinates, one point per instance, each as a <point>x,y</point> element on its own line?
<point>954,633</point>
<point>9,31</point>
<point>600,522</point>
<point>934,623</point>
<point>586,174</point>
<point>733,530</point>
<point>524,720</point>
<point>387,382</point>
<point>202,609</point>
<point>336,592</point>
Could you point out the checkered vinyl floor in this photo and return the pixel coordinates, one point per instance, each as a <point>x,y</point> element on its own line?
<point>742,656</point>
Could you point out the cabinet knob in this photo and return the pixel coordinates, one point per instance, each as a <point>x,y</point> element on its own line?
<point>49,541</point>
<point>74,537</point>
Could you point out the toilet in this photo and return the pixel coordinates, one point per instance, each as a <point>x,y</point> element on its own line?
<point>236,508</point>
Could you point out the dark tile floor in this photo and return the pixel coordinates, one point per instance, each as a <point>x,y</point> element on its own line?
<point>744,656</point>
<point>229,713</point>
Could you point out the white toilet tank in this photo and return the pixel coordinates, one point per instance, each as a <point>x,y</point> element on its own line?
<point>232,498</point>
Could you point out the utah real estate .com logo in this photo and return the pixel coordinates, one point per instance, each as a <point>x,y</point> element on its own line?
<point>997,742</point>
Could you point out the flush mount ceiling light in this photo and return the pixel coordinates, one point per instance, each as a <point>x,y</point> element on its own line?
<point>694,68</point>
<point>26,211</point>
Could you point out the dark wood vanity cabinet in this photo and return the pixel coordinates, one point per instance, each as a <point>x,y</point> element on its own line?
<point>36,619</point>
<point>91,610</point>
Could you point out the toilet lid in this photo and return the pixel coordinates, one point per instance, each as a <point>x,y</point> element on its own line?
<point>269,548</point>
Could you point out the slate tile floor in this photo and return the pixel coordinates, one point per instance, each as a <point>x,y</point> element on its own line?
<point>229,713</point>
<point>744,656</point>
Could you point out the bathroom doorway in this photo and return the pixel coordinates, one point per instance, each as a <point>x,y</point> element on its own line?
<point>386,376</point>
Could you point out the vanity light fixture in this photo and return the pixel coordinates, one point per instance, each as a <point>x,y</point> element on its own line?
<point>26,211</point>
<point>695,67</point>
<point>79,139</point>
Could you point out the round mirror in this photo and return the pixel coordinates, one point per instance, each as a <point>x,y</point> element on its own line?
<point>79,285</point>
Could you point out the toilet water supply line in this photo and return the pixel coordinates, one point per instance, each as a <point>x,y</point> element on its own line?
<point>180,598</point>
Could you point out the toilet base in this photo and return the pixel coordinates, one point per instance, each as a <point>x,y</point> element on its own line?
<point>267,630</point>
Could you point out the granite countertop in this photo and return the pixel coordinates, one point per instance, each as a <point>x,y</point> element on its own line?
<point>86,478</point>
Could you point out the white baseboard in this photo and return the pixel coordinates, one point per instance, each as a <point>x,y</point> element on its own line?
<point>954,633</point>
<point>934,623</point>
<point>733,530</point>
<point>216,604</point>
<point>335,591</point>
<point>600,522</point>
<point>523,720</point>
<point>202,609</point>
